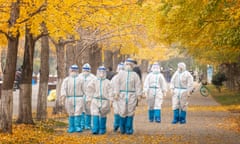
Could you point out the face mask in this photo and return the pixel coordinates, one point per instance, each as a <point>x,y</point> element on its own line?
<point>156,71</point>
<point>101,74</point>
<point>73,74</point>
<point>128,67</point>
<point>86,73</point>
<point>180,70</point>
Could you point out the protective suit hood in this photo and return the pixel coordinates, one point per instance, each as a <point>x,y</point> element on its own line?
<point>73,70</point>
<point>181,67</point>
<point>129,64</point>
<point>155,68</point>
<point>120,67</point>
<point>86,67</point>
<point>101,72</point>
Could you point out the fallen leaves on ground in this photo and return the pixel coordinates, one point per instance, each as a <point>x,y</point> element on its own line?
<point>232,108</point>
<point>44,133</point>
<point>53,131</point>
<point>231,123</point>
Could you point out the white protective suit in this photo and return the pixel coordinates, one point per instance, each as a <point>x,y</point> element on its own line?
<point>114,104</point>
<point>155,88</point>
<point>181,85</point>
<point>99,92</point>
<point>72,90</point>
<point>127,86</point>
<point>86,79</point>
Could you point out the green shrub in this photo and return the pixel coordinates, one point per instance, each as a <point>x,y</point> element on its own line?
<point>218,80</point>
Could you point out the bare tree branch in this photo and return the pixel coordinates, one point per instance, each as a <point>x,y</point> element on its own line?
<point>3,11</point>
<point>69,41</point>
<point>63,42</point>
<point>40,35</point>
<point>43,7</point>
<point>53,41</point>
<point>3,32</point>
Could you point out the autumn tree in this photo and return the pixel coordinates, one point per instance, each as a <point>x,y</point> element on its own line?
<point>97,23</point>
<point>8,26</point>
<point>30,12</point>
<point>208,30</point>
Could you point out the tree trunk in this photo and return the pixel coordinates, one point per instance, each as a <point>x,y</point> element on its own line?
<point>44,73</point>
<point>144,66</point>
<point>9,73</point>
<point>7,86</point>
<point>70,56</point>
<point>91,55</point>
<point>204,74</point>
<point>117,58</point>
<point>25,98</point>
<point>61,75</point>
<point>237,72</point>
<point>232,74</point>
<point>108,58</point>
<point>85,56</point>
<point>95,58</point>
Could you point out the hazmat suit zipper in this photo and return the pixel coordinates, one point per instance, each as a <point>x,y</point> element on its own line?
<point>180,86</point>
<point>101,92</point>
<point>155,89</point>
<point>127,87</point>
<point>84,96</point>
<point>179,90</point>
<point>100,80</point>
<point>74,93</point>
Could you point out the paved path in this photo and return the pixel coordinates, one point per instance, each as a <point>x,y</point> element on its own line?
<point>203,126</point>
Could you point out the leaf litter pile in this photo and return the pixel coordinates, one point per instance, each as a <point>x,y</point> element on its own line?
<point>52,132</point>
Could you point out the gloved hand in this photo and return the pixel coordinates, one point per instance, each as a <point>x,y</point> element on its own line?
<point>62,100</point>
<point>189,93</point>
<point>88,103</point>
<point>192,91</point>
<point>139,98</point>
<point>164,94</point>
<point>144,95</point>
<point>172,91</point>
<point>111,104</point>
<point>116,96</point>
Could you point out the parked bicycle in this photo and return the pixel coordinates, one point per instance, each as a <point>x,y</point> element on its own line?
<point>204,91</point>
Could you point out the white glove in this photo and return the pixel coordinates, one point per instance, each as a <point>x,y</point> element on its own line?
<point>111,104</point>
<point>144,95</point>
<point>139,98</point>
<point>62,100</point>
<point>164,94</point>
<point>172,91</point>
<point>189,93</point>
<point>192,91</point>
<point>88,103</point>
<point>116,96</point>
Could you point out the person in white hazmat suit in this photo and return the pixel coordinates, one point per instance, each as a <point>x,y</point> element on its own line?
<point>86,76</point>
<point>181,85</point>
<point>72,92</point>
<point>127,89</point>
<point>155,88</point>
<point>116,122</point>
<point>99,93</point>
